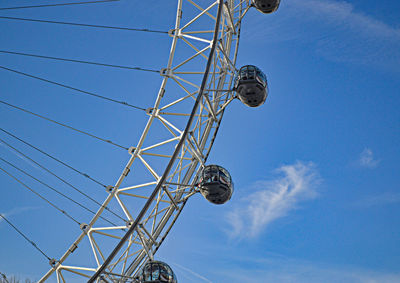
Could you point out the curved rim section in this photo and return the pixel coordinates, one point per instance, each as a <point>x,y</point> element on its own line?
<point>241,12</point>
<point>173,158</point>
<point>190,146</point>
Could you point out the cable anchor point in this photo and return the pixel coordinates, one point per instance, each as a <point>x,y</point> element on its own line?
<point>54,263</point>
<point>109,189</point>
<point>173,32</point>
<point>84,227</point>
<point>165,72</point>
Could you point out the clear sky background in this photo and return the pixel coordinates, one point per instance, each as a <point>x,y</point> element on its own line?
<point>317,196</point>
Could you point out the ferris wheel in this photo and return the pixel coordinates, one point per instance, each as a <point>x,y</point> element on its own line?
<point>198,82</point>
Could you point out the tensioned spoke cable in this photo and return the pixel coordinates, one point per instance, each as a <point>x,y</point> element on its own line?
<point>73,88</point>
<point>55,190</point>
<point>59,4</point>
<point>61,179</point>
<point>63,125</point>
<point>52,157</point>
<point>25,237</point>
<point>77,61</point>
<point>42,197</point>
<point>84,25</point>
<point>3,275</point>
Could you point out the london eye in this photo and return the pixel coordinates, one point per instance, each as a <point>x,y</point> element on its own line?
<point>167,164</point>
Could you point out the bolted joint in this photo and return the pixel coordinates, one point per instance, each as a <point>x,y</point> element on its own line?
<point>109,189</point>
<point>54,263</point>
<point>129,223</point>
<point>165,72</point>
<point>149,110</point>
<point>173,32</point>
<point>84,227</point>
<point>132,149</point>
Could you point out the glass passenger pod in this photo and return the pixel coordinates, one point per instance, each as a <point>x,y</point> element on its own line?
<point>251,86</point>
<point>215,184</point>
<point>266,6</point>
<point>157,272</point>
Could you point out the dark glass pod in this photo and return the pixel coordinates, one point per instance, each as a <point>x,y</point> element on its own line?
<point>215,184</point>
<point>251,86</point>
<point>266,6</point>
<point>157,272</point>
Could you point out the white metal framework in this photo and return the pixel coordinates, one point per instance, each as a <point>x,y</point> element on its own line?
<point>175,143</point>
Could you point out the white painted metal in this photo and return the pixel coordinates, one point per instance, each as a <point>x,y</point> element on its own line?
<point>192,47</point>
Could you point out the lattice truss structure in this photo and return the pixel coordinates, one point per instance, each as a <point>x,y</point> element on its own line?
<point>175,143</point>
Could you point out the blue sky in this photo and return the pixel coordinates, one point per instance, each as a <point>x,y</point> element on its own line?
<point>317,195</point>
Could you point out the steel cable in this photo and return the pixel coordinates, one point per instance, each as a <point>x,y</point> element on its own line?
<point>85,25</point>
<point>52,157</point>
<point>73,88</point>
<point>63,125</point>
<point>55,190</point>
<point>78,61</point>
<point>25,237</point>
<point>61,179</point>
<point>60,4</point>
<point>42,197</point>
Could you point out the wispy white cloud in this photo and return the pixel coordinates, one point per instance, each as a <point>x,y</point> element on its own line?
<point>336,30</point>
<point>352,36</point>
<point>342,13</point>
<point>367,159</point>
<point>274,199</point>
<point>379,200</point>
<point>332,15</point>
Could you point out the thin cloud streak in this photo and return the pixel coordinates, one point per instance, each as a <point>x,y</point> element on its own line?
<point>331,16</point>
<point>353,36</point>
<point>274,199</point>
<point>188,270</point>
<point>19,155</point>
<point>191,272</point>
<point>342,13</point>
<point>336,30</point>
<point>18,210</point>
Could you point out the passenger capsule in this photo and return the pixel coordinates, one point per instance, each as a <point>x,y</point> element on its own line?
<point>266,6</point>
<point>251,86</point>
<point>157,272</point>
<point>215,184</point>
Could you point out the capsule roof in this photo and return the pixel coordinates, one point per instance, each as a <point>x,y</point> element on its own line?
<point>266,6</point>
<point>157,272</point>
<point>251,86</point>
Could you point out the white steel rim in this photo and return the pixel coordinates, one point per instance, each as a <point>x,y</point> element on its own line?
<point>178,185</point>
